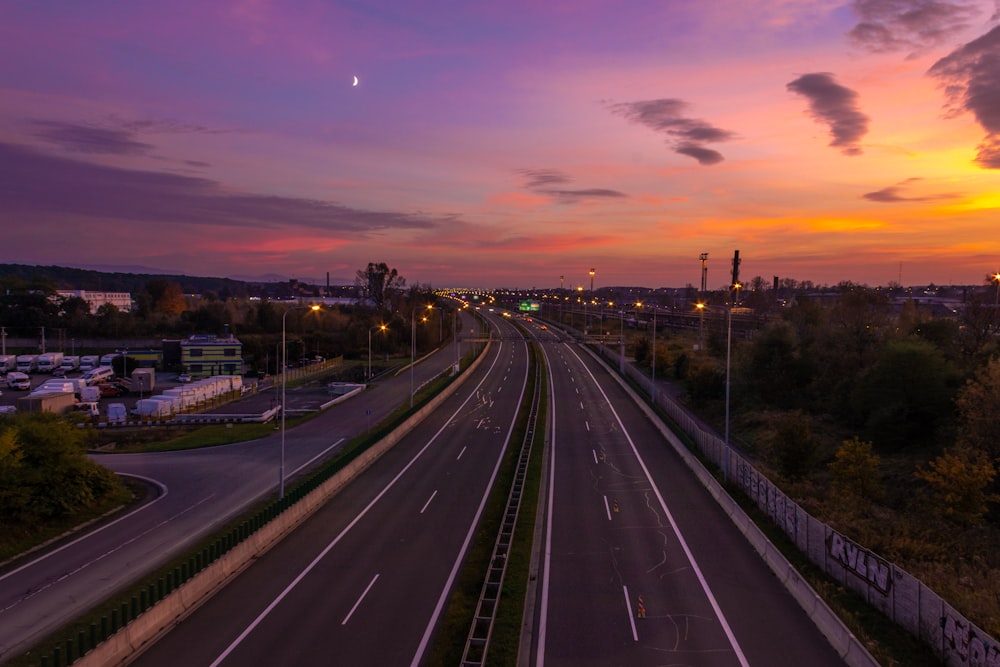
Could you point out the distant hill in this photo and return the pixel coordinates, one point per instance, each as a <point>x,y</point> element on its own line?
<point>70,278</point>
<point>89,279</point>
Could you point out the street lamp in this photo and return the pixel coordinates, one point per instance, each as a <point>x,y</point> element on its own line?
<point>652,364</point>
<point>284,381</point>
<point>701,325</point>
<point>380,327</point>
<point>413,346</point>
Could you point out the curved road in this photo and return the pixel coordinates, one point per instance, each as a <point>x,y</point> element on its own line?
<point>200,490</point>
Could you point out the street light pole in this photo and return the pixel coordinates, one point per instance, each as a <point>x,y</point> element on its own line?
<point>413,348</point>
<point>652,365</point>
<point>284,381</point>
<point>380,327</point>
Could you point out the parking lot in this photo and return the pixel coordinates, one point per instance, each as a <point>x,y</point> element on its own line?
<point>8,396</point>
<point>258,398</point>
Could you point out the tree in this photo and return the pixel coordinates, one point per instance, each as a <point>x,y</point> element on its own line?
<point>959,479</point>
<point>978,404</point>
<point>855,470</point>
<point>168,297</point>
<point>792,449</point>
<point>906,395</point>
<point>377,282</point>
<point>47,474</point>
<point>774,369</point>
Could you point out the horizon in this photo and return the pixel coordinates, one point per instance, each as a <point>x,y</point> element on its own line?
<point>523,145</point>
<point>321,283</point>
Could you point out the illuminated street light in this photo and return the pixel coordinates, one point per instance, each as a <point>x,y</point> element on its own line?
<point>413,346</point>
<point>380,327</point>
<point>701,325</point>
<point>284,380</point>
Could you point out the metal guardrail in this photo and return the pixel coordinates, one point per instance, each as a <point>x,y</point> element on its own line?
<point>477,644</point>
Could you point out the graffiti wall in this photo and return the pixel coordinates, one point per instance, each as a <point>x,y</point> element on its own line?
<point>893,591</point>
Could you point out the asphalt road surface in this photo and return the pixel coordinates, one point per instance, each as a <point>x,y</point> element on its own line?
<point>363,581</point>
<point>198,491</point>
<point>640,565</point>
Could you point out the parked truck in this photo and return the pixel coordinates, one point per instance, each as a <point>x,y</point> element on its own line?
<point>8,363</point>
<point>88,362</point>
<point>70,363</point>
<point>141,381</point>
<point>27,363</point>
<point>50,401</point>
<point>49,361</point>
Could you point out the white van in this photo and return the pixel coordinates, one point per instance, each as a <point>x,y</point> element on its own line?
<point>98,375</point>
<point>117,413</point>
<point>88,362</point>
<point>17,380</point>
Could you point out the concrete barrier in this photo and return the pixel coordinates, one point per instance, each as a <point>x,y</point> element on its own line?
<point>161,617</point>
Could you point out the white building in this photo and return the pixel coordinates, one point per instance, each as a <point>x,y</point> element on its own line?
<point>121,300</point>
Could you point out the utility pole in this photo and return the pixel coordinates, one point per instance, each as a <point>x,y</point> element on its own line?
<point>733,289</point>
<point>701,301</point>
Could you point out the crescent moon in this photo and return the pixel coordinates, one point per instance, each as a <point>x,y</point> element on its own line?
<point>355,81</point>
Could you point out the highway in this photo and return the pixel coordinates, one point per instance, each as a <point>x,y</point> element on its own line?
<point>640,566</point>
<point>195,492</point>
<point>363,580</point>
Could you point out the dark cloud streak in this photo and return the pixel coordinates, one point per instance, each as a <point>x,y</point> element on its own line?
<point>89,140</point>
<point>541,180</point>
<point>32,183</point>
<point>895,194</point>
<point>836,106</point>
<point>685,135</point>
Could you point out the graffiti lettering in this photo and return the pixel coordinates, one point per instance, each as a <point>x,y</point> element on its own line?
<point>860,561</point>
<point>975,651</point>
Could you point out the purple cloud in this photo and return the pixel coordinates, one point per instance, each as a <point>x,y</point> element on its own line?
<point>895,193</point>
<point>542,180</point>
<point>88,139</point>
<point>685,135</point>
<point>36,183</point>
<point>971,77</point>
<point>897,25</point>
<point>836,106</point>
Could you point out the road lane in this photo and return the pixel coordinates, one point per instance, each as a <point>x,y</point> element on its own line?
<point>641,567</point>
<point>204,489</point>
<point>363,581</point>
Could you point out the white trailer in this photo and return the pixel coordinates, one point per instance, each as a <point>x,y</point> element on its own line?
<point>8,363</point>
<point>175,402</point>
<point>151,408</point>
<point>188,397</point>
<point>49,361</point>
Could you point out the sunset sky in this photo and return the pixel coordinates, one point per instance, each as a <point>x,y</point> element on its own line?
<point>504,144</point>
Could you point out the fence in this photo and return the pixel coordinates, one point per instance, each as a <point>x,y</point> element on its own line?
<point>890,589</point>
